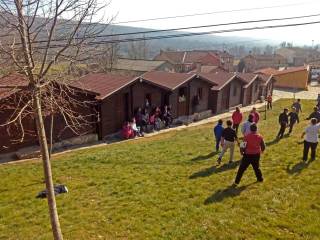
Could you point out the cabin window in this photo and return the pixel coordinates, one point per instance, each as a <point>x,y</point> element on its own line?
<point>200,93</point>
<point>235,91</point>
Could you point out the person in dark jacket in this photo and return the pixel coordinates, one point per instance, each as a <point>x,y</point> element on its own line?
<point>293,119</point>
<point>283,121</point>
<point>315,114</point>
<point>254,147</point>
<point>218,129</point>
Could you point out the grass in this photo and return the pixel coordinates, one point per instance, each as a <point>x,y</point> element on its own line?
<point>167,187</point>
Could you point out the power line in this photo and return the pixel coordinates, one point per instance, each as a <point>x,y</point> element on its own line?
<point>214,12</point>
<point>186,28</point>
<point>191,34</point>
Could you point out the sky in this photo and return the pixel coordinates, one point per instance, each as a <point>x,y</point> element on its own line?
<point>128,10</point>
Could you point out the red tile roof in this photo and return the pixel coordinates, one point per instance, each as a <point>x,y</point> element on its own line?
<point>267,71</point>
<point>249,78</point>
<point>102,83</point>
<point>10,84</point>
<point>293,69</point>
<point>220,78</point>
<point>167,80</point>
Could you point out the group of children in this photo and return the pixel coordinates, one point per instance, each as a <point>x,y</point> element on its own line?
<point>146,120</point>
<point>253,144</point>
<point>251,147</point>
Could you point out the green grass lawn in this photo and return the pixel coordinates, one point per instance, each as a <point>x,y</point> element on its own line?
<point>168,187</point>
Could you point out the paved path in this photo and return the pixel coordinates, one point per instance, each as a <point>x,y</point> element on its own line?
<point>312,93</point>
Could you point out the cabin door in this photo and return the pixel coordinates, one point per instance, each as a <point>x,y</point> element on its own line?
<point>182,102</point>
<point>225,97</point>
<point>249,95</point>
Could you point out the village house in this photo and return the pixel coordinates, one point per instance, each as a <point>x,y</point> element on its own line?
<point>292,78</point>
<point>137,67</point>
<point>62,134</point>
<point>227,93</point>
<point>186,61</point>
<point>252,63</point>
<point>297,56</point>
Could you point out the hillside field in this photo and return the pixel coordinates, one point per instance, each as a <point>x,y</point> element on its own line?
<point>169,187</point>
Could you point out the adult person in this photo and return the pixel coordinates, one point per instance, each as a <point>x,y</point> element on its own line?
<point>256,115</point>
<point>310,136</point>
<point>297,106</point>
<point>283,121</point>
<point>254,147</point>
<point>217,131</point>
<point>167,116</point>
<point>269,101</point>
<point>293,119</point>
<point>228,139</point>
<point>236,119</point>
<point>246,125</point>
<point>315,114</point>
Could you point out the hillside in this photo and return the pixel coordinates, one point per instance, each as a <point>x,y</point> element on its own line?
<point>168,187</point>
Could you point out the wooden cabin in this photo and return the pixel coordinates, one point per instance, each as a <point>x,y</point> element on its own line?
<point>227,92</point>
<point>253,90</point>
<point>14,138</point>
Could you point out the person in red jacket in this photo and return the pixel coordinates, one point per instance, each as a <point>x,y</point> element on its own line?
<point>254,147</point>
<point>236,119</point>
<point>127,131</point>
<point>256,115</point>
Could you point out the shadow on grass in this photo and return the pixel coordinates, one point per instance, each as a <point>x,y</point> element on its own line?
<point>230,191</point>
<point>204,157</point>
<point>297,168</point>
<point>214,169</point>
<point>276,140</point>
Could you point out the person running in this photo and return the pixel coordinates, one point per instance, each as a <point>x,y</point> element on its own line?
<point>246,125</point>
<point>236,119</point>
<point>256,115</point>
<point>217,131</point>
<point>269,102</point>
<point>254,147</point>
<point>283,121</point>
<point>315,114</point>
<point>228,139</point>
<point>293,119</point>
<point>297,106</point>
<point>310,136</point>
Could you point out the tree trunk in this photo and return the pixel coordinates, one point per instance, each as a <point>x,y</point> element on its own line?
<point>54,218</point>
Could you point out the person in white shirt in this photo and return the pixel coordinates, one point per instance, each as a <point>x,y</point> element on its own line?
<point>246,125</point>
<point>311,139</point>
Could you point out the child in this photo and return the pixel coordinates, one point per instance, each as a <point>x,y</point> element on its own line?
<point>127,131</point>
<point>293,118</point>
<point>136,130</point>
<point>218,129</point>
<point>256,115</point>
<point>237,119</point>
<point>310,136</point>
<point>269,102</point>
<point>283,121</point>
<point>228,139</point>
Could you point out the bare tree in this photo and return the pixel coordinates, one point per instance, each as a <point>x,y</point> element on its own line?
<point>36,35</point>
<point>138,50</point>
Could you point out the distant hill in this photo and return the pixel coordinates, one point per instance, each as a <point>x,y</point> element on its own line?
<point>184,43</point>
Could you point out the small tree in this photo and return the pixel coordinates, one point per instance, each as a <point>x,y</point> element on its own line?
<point>37,34</point>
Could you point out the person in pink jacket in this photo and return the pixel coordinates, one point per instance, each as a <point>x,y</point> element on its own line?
<point>236,119</point>
<point>256,115</point>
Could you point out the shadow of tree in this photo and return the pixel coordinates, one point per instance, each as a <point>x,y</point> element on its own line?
<point>297,168</point>
<point>230,191</point>
<point>204,157</point>
<point>214,169</point>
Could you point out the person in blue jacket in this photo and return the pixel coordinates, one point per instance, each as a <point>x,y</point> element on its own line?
<point>218,129</point>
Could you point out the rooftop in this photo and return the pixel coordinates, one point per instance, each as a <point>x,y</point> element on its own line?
<point>137,64</point>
